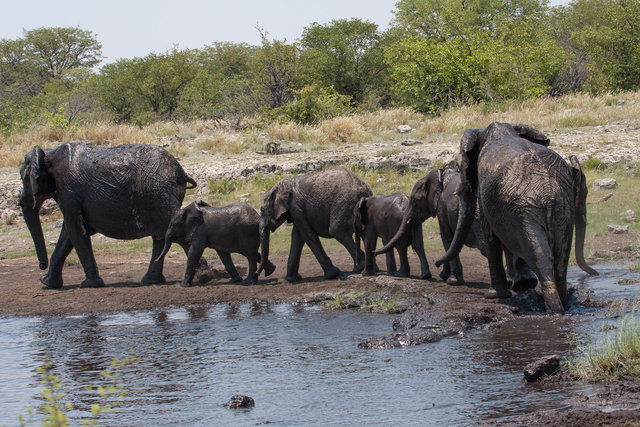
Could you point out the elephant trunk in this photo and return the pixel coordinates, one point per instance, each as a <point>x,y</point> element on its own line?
<point>167,244</point>
<point>32,220</point>
<point>581,226</point>
<point>265,235</point>
<point>466,215</point>
<point>405,227</point>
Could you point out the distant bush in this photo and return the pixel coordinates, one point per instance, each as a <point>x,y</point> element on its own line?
<point>313,104</point>
<point>593,163</point>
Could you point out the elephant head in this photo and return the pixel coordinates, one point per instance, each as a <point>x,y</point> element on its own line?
<point>183,226</point>
<point>38,185</point>
<point>273,213</point>
<point>423,204</point>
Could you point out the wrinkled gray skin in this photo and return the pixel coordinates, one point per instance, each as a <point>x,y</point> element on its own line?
<point>435,195</point>
<point>529,200</point>
<point>319,204</point>
<point>227,229</point>
<point>123,192</point>
<point>381,215</point>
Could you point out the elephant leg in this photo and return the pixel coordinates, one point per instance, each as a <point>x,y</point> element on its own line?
<point>225,257</point>
<point>452,271</point>
<point>81,241</point>
<point>53,277</point>
<point>560,266</point>
<point>252,277</point>
<point>405,270</point>
<point>496,270</point>
<point>417,243</point>
<point>311,239</point>
<point>542,261</point>
<point>193,257</point>
<point>295,252</point>
<point>346,240</point>
<point>154,272</point>
<point>390,259</point>
<point>369,258</point>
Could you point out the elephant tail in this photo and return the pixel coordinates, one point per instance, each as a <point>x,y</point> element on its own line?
<point>580,206</point>
<point>359,221</point>
<point>191,181</point>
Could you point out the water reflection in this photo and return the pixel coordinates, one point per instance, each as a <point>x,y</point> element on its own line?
<point>301,365</point>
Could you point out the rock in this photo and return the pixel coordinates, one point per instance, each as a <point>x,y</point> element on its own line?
<point>548,365</point>
<point>618,229</point>
<point>605,184</point>
<point>621,102</point>
<point>629,216</point>
<point>240,401</point>
<point>404,128</point>
<point>59,223</point>
<point>605,198</point>
<point>408,142</point>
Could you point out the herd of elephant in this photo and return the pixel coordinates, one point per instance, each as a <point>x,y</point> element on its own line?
<point>510,195</point>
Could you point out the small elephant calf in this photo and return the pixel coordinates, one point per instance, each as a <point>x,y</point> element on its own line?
<point>227,229</point>
<point>382,216</point>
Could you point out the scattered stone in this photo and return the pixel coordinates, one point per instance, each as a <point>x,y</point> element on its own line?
<point>277,148</point>
<point>618,229</point>
<point>404,128</point>
<point>408,142</point>
<point>627,281</point>
<point>605,184</point>
<point>59,223</point>
<point>240,401</point>
<point>605,198</point>
<point>548,365</point>
<point>629,216</point>
<point>621,102</point>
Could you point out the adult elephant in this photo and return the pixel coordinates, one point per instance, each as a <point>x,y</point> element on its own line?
<point>529,200</point>
<point>123,192</point>
<point>319,204</point>
<point>435,196</point>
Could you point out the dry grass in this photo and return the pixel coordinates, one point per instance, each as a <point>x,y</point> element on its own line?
<point>544,113</point>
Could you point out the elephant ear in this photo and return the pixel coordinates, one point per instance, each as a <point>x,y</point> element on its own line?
<point>470,146</point>
<point>193,218</point>
<point>361,214</point>
<point>40,180</point>
<point>435,191</point>
<point>282,198</point>
<point>531,134</point>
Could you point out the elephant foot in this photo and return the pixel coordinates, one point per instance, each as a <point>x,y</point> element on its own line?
<point>51,283</point>
<point>426,276</point>
<point>401,273</point>
<point>95,282</point>
<point>152,279</point>
<point>250,280</point>
<point>235,279</point>
<point>269,268</point>
<point>186,284</point>
<point>455,281</point>
<point>497,294</point>
<point>292,278</point>
<point>524,284</point>
<point>368,272</point>
<point>358,268</point>
<point>444,274</point>
<point>332,273</point>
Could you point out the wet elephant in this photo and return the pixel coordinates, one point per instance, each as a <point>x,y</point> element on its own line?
<point>123,192</point>
<point>529,199</point>
<point>318,204</point>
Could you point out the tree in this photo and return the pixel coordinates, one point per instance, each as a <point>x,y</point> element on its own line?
<point>343,54</point>
<point>60,50</point>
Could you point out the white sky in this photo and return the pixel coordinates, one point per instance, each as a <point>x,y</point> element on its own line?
<point>136,28</point>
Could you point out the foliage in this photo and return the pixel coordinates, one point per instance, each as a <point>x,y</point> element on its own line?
<point>54,410</point>
<point>313,104</point>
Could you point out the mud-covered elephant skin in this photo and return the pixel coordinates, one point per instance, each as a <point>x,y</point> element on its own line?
<point>435,196</point>
<point>381,216</point>
<point>318,204</point>
<point>123,192</point>
<point>529,199</point>
<point>228,229</point>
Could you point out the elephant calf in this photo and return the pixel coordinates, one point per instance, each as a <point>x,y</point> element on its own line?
<point>227,229</point>
<point>381,215</point>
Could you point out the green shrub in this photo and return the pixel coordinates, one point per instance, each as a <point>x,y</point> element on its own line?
<point>313,104</point>
<point>593,163</point>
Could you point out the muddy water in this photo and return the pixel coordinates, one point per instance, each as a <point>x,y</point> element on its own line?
<point>300,364</point>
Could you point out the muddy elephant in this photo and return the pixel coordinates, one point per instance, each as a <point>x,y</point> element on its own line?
<point>123,192</point>
<point>381,216</point>
<point>435,196</point>
<point>318,204</point>
<point>228,229</point>
<point>529,199</point>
